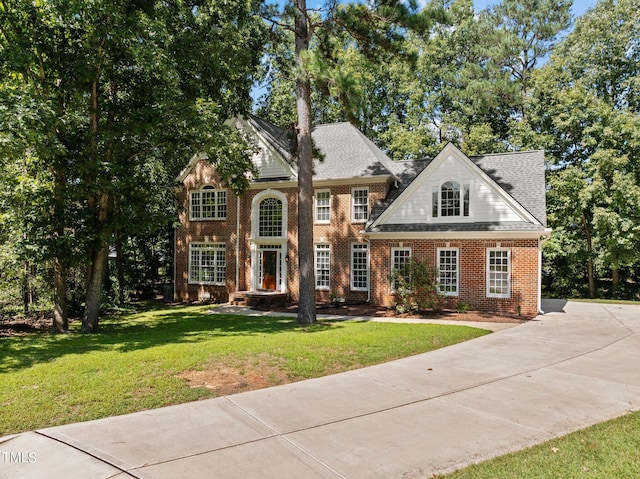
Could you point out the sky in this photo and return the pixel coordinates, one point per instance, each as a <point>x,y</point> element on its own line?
<point>579,6</point>
<point>578,9</point>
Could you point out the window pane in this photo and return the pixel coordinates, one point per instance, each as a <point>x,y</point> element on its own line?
<point>270,222</point>
<point>207,263</point>
<point>208,204</point>
<point>466,200</point>
<point>435,193</point>
<point>360,205</point>
<point>450,196</point>
<point>323,261</point>
<point>195,204</point>
<point>323,206</point>
<point>359,266</point>
<point>400,262</point>
<point>448,271</point>
<point>498,274</point>
<point>221,212</point>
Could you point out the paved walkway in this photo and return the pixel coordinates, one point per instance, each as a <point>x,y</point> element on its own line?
<point>411,418</point>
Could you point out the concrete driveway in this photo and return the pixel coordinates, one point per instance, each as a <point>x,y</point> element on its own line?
<point>573,367</point>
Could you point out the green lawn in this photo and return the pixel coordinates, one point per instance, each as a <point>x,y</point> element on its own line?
<point>607,450</point>
<point>138,361</point>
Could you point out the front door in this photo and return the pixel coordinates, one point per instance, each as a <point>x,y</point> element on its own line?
<point>269,267</point>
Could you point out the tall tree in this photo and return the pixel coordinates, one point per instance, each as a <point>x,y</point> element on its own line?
<point>119,86</point>
<point>370,27</point>
<point>584,106</point>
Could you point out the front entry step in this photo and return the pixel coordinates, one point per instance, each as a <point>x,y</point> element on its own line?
<point>257,298</point>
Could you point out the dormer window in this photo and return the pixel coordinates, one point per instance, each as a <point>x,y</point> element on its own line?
<point>208,204</point>
<point>450,199</point>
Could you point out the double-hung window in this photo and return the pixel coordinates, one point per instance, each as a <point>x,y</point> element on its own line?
<point>323,206</point>
<point>360,267</point>
<point>207,263</point>
<point>323,265</point>
<point>448,271</point>
<point>400,263</point>
<point>498,273</point>
<point>208,204</point>
<point>359,204</point>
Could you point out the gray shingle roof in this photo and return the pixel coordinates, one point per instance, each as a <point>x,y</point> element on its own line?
<point>522,175</point>
<point>347,153</point>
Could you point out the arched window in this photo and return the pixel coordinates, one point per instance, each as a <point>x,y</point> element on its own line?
<point>270,218</point>
<point>449,199</point>
<point>450,195</point>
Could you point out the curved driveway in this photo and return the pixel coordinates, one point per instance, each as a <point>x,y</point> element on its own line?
<point>573,367</point>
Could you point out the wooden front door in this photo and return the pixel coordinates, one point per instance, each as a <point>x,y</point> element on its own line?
<point>269,268</point>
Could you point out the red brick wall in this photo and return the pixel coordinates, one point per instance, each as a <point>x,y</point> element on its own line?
<point>219,231</point>
<point>472,264</point>
<point>340,234</point>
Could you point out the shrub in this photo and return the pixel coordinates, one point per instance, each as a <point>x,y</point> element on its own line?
<point>415,286</point>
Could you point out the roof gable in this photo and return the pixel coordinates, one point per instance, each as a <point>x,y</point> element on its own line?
<point>490,202</point>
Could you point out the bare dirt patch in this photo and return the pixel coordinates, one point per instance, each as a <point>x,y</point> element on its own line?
<point>21,326</point>
<point>223,379</point>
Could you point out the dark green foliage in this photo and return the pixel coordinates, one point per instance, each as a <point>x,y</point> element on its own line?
<point>415,286</point>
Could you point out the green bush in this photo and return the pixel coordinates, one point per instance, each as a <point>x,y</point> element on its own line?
<point>415,286</point>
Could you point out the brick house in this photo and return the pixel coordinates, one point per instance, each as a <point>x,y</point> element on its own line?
<point>480,221</point>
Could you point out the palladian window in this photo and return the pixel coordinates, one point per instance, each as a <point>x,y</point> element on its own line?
<point>450,199</point>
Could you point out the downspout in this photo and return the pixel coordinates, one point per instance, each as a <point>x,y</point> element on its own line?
<point>237,243</point>
<point>541,240</point>
<point>175,265</point>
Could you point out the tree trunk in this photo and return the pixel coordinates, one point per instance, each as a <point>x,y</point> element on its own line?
<point>590,273</point>
<point>26,288</point>
<point>615,281</point>
<point>60,305</point>
<point>307,302</point>
<point>95,278</point>
<point>120,267</point>
<point>96,268</point>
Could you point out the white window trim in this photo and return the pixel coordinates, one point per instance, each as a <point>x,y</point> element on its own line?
<point>392,261</point>
<point>315,209</point>
<point>457,291</point>
<point>359,247</point>
<point>316,248</point>
<point>216,247</point>
<point>353,205</point>
<point>488,286</point>
<point>208,189</point>
<point>255,216</point>
<point>437,189</point>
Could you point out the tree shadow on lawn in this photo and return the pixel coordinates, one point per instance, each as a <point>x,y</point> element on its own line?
<point>130,332</point>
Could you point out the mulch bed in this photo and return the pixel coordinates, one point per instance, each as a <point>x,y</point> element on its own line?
<point>372,311</point>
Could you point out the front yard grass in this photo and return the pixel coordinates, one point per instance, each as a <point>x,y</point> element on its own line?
<point>150,359</point>
<point>606,450</point>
